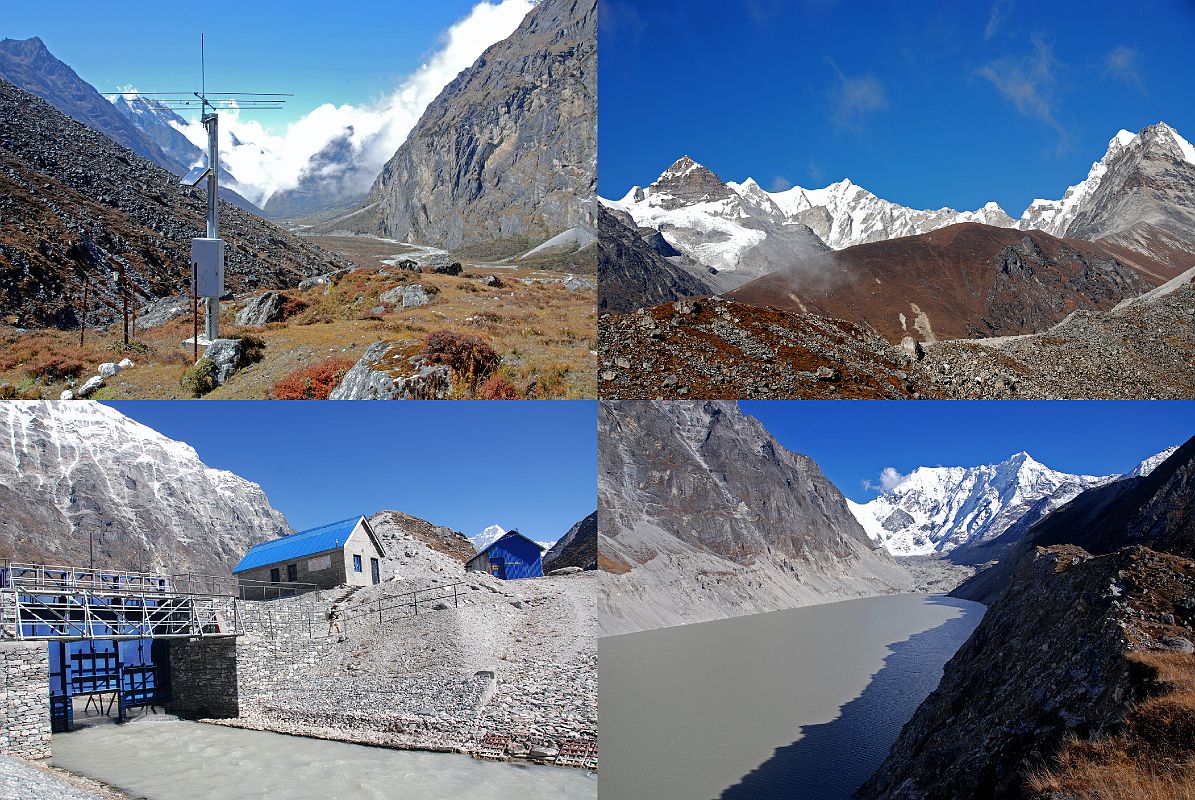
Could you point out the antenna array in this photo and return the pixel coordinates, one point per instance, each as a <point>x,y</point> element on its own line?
<point>207,254</point>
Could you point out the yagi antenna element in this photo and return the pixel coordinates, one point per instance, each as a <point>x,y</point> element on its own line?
<point>207,253</point>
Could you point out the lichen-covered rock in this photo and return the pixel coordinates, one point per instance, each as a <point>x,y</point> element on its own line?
<point>414,296</point>
<point>90,386</point>
<point>108,369</point>
<point>384,372</point>
<point>261,310</point>
<point>225,355</point>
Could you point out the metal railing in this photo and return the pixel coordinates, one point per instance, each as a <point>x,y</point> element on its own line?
<point>49,578</point>
<point>402,602</point>
<point>42,602</point>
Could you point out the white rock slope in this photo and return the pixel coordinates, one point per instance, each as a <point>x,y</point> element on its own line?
<point>71,471</point>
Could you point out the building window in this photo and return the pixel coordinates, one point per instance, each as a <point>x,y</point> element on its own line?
<point>275,575</point>
<point>292,572</point>
<point>356,563</point>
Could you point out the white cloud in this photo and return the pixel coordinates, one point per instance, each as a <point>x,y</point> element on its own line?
<point>890,478</point>
<point>1029,83</point>
<point>265,163</point>
<point>1124,64</point>
<point>999,13</point>
<point>853,98</point>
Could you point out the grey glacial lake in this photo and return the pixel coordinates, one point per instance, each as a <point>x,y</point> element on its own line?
<point>176,760</point>
<point>802,704</point>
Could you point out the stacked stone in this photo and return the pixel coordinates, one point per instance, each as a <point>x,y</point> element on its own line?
<point>25,700</point>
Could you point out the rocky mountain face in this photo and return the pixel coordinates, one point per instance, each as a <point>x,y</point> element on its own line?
<point>637,269</point>
<point>1156,510</point>
<point>1137,201</point>
<point>76,206</point>
<point>331,180</point>
<point>509,148</point>
<point>965,281</point>
<point>1145,200</point>
<point>577,548</point>
<point>742,227</point>
<point>74,472</point>
<point>738,231</point>
<point>703,515</point>
<point>29,65</point>
<point>1055,216</point>
<point>1061,661</point>
<point>158,125</point>
<point>951,510</point>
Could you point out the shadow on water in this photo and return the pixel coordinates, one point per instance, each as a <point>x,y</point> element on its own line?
<point>833,759</point>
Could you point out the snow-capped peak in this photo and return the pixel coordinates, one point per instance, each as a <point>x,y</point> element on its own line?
<point>1184,146</point>
<point>941,509</point>
<point>1150,464</point>
<point>487,537</point>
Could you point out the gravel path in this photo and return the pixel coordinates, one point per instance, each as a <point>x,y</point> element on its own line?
<point>22,781</point>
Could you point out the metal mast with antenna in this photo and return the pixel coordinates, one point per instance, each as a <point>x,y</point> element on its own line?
<point>207,254</point>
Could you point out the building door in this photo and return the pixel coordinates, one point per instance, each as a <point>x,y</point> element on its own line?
<point>498,567</point>
<point>375,570</point>
<point>292,572</point>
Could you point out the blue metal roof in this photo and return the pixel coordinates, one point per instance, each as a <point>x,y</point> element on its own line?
<point>506,535</point>
<point>297,545</point>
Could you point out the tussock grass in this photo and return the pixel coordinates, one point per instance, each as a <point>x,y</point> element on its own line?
<point>1153,758</point>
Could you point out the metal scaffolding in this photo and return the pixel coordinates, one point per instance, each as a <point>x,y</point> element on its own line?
<point>51,603</point>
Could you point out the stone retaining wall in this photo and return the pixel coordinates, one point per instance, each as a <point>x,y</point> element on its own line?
<point>203,678</point>
<point>25,700</point>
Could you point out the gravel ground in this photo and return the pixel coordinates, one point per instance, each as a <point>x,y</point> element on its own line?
<point>20,780</point>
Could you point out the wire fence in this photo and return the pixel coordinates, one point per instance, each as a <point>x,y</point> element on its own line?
<point>407,604</point>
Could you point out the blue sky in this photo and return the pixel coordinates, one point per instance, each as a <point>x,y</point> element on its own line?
<point>526,465</point>
<point>925,104</point>
<point>854,441</point>
<point>351,51</point>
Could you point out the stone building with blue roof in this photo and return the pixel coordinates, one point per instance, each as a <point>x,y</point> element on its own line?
<point>344,552</point>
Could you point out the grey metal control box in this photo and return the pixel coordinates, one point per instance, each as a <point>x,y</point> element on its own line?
<point>207,261</point>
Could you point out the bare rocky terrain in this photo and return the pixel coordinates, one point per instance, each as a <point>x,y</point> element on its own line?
<point>76,209</point>
<point>958,282</point>
<point>1142,348</point>
<point>719,348</point>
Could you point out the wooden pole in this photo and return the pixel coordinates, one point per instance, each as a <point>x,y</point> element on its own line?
<point>124,298</point>
<point>83,319</point>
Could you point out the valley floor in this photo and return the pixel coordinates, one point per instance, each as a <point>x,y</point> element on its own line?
<point>542,322</point>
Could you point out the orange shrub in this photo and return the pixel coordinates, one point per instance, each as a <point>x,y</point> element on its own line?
<point>53,367</point>
<point>468,356</point>
<point>497,388</point>
<point>312,383</point>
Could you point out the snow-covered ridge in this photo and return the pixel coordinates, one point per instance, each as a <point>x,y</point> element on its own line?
<point>937,510</point>
<point>721,228</point>
<point>492,534</point>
